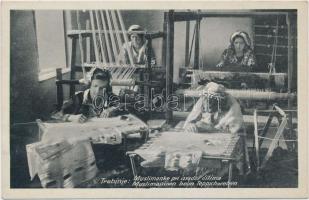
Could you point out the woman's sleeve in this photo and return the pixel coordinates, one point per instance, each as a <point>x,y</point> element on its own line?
<point>196,112</point>
<point>251,60</point>
<point>153,57</point>
<point>123,57</point>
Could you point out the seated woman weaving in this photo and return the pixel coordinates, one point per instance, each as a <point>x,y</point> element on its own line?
<point>93,102</point>
<point>239,53</point>
<point>136,47</point>
<point>215,111</point>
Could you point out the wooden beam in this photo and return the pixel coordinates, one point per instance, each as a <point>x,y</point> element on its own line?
<point>164,40</point>
<point>290,70</point>
<point>242,94</point>
<point>256,140</point>
<point>88,32</point>
<point>248,119</point>
<point>169,62</point>
<point>188,16</point>
<point>274,142</point>
<point>69,82</point>
<point>197,44</point>
<point>147,75</point>
<point>187,41</point>
<point>94,37</point>
<point>73,66</point>
<point>266,127</point>
<point>59,89</point>
<point>88,42</point>
<point>154,35</point>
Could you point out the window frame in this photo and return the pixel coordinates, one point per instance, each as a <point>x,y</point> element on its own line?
<point>49,73</point>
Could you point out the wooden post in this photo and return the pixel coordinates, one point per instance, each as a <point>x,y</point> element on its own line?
<point>169,63</point>
<point>187,43</point>
<point>134,171</point>
<point>164,40</point>
<point>230,174</point>
<point>88,42</point>
<point>73,67</point>
<point>256,140</point>
<point>147,75</point>
<point>197,44</point>
<point>59,89</point>
<point>290,54</point>
<point>274,142</point>
<point>290,70</point>
<point>266,127</point>
<point>94,38</point>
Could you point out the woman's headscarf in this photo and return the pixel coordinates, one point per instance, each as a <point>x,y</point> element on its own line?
<point>136,29</point>
<point>101,74</point>
<point>212,90</point>
<point>244,35</point>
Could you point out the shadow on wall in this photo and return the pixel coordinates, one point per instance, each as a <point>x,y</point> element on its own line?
<point>29,98</point>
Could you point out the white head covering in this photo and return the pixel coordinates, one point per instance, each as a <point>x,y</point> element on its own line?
<point>135,28</point>
<point>211,90</point>
<point>215,89</point>
<point>243,35</point>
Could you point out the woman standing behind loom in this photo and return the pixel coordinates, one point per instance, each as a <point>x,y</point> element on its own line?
<point>239,52</point>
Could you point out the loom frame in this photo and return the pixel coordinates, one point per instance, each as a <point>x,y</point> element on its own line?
<point>282,117</point>
<point>171,17</point>
<point>144,72</point>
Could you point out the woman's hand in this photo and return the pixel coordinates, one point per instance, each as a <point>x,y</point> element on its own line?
<point>107,113</point>
<point>82,119</point>
<point>77,118</point>
<point>57,115</point>
<point>220,65</point>
<point>190,127</point>
<point>244,85</point>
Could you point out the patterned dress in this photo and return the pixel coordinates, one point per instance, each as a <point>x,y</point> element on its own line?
<point>229,58</point>
<point>83,104</point>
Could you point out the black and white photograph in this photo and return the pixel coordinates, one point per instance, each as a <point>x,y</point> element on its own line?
<point>154,98</point>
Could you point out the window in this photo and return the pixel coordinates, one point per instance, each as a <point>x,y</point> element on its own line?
<point>51,42</point>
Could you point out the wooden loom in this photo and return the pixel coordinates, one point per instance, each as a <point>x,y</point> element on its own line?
<point>106,32</point>
<point>172,16</point>
<point>64,157</point>
<point>260,135</point>
<point>278,80</point>
<point>220,149</point>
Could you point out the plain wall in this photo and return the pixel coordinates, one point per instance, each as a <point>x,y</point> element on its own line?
<point>30,99</point>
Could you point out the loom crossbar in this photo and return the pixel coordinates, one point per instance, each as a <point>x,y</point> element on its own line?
<point>243,94</point>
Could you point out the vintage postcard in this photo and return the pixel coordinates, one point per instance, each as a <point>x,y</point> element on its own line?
<point>149,99</point>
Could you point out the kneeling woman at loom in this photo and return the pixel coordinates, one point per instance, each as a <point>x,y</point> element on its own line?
<point>93,102</point>
<point>218,112</point>
<point>215,111</point>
